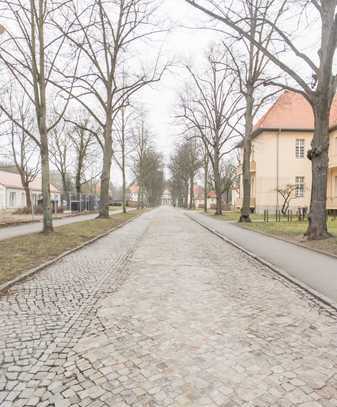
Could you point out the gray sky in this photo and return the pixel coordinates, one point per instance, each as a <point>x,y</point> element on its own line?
<point>184,45</point>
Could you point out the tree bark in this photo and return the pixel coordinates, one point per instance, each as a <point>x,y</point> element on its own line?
<point>319,156</point>
<point>191,192</point>
<point>205,183</point>
<point>124,188</point>
<point>78,181</point>
<point>27,193</point>
<point>217,182</point>
<point>218,210</point>
<point>247,150</point>
<point>47,209</point>
<point>105,177</point>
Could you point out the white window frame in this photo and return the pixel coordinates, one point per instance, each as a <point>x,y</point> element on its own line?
<point>300,148</point>
<point>299,182</point>
<point>12,199</point>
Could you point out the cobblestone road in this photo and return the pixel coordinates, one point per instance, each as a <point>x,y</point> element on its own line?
<point>162,313</point>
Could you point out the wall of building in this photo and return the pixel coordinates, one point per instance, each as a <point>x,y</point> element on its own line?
<point>12,198</point>
<point>2,197</point>
<point>277,166</point>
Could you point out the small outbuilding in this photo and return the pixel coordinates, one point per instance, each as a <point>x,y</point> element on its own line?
<point>12,193</point>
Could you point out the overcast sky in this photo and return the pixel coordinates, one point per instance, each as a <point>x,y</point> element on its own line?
<point>184,45</point>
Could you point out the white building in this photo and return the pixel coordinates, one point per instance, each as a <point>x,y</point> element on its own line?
<point>166,198</point>
<point>12,193</point>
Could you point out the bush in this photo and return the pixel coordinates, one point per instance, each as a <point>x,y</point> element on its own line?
<point>38,210</point>
<point>23,211</point>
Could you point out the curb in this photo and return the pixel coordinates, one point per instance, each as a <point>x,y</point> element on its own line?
<point>31,272</point>
<point>283,239</point>
<point>317,295</point>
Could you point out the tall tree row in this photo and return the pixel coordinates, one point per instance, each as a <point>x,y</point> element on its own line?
<point>32,52</point>
<point>211,107</point>
<point>65,55</point>
<point>318,82</point>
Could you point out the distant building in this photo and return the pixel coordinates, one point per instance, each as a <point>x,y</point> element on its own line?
<point>166,198</point>
<point>133,195</point>
<point>199,198</point>
<point>12,193</point>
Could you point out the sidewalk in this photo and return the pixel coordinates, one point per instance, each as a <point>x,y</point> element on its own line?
<point>314,269</point>
<point>20,230</point>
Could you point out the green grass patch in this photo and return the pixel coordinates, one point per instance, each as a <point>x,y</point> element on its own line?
<point>294,231</point>
<point>22,253</point>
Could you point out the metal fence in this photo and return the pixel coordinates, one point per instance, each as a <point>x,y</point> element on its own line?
<point>79,202</point>
<point>301,215</point>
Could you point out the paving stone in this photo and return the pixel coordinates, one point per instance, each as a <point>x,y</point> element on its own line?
<point>162,313</point>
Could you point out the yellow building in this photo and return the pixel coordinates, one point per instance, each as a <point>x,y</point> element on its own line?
<point>281,140</point>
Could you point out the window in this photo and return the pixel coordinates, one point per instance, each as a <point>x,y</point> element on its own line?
<point>300,148</point>
<point>299,182</point>
<point>12,199</point>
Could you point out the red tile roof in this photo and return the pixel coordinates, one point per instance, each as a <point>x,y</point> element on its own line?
<point>198,192</point>
<point>134,188</point>
<point>12,180</point>
<point>211,194</point>
<point>292,111</point>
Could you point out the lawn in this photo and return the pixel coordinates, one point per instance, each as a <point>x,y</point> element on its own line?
<point>20,254</point>
<point>233,215</point>
<point>292,231</point>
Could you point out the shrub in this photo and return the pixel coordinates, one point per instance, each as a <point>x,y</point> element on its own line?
<point>23,211</point>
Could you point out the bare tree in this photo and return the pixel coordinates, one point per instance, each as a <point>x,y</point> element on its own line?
<point>125,145</point>
<point>23,150</point>
<point>212,108</point>
<point>60,153</point>
<point>180,176</point>
<point>142,143</point>
<point>287,194</point>
<point>103,33</point>
<point>30,51</point>
<point>250,65</point>
<point>84,143</point>
<point>318,88</point>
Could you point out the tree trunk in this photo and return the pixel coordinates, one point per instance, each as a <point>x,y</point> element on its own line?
<point>246,181</point>
<point>247,150</point>
<point>105,177</point>
<point>217,182</point>
<point>65,192</point>
<point>218,192</point>
<point>205,185</point>
<point>78,182</point>
<point>47,209</point>
<point>124,187</point>
<point>319,155</point>
<point>191,192</point>
<point>27,193</point>
<point>218,210</point>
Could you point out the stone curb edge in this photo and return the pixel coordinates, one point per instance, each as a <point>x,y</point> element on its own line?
<point>283,239</point>
<point>317,295</point>
<point>43,266</point>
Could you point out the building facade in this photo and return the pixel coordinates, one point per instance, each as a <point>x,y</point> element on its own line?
<point>12,194</point>
<point>279,160</point>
